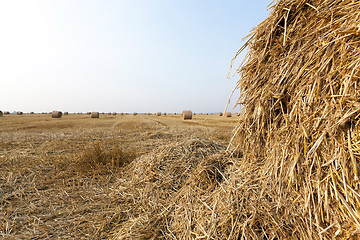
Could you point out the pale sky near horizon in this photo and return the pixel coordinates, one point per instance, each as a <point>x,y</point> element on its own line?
<point>123,56</point>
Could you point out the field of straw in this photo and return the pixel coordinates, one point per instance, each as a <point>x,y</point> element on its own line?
<point>83,178</point>
<point>289,169</point>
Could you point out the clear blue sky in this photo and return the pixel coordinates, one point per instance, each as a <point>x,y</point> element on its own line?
<point>124,55</point>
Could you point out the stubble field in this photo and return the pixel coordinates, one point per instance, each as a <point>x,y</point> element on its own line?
<point>59,178</point>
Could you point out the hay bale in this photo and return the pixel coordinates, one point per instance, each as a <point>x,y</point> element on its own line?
<point>114,113</point>
<point>228,114</point>
<point>95,115</point>
<point>88,113</point>
<point>164,114</point>
<point>1,113</point>
<point>56,114</point>
<point>32,113</point>
<point>301,125</point>
<point>6,113</point>
<point>134,113</point>
<point>220,114</point>
<point>187,115</point>
<point>66,113</point>
<point>158,114</point>
<point>19,113</point>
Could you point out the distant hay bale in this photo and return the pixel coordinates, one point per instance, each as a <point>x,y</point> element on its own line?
<point>95,115</point>
<point>134,113</point>
<point>56,114</point>
<point>88,113</point>
<point>31,112</point>
<point>187,115</point>
<point>164,113</point>
<point>19,113</point>
<point>220,114</point>
<point>228,114</point>
<point>114,113</point>
<point>66,113</point>
<point>158,114</point>
<point>6,113</point>
<point>1,113</point>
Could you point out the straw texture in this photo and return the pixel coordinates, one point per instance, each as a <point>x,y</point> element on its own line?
<point>300,128</point>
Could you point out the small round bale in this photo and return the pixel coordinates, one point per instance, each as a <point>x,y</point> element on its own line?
<point>220,114</point>
<point>158,114</point>
<point>187,115</point>
<point>66,113</point>
<point>228,114</point>
<point>1,113</point>
<point>56,114</point>
<point>88,113</point>
<point>31,112</point>
<point>95,115</point>
<point>134,113</point>
<point>19,113</point>
<point>6,113</point>
<point>114,113</point>
<point>164,114</point>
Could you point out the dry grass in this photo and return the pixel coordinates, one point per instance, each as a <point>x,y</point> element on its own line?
<point>59,178</point>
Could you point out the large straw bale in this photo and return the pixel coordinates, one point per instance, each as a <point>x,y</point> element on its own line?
<point>19,113</point>
<point>300,130</point>
<point>1,113</point>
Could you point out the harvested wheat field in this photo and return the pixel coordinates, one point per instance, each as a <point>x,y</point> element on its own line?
<point>63,178</point>
<point>285,167</point>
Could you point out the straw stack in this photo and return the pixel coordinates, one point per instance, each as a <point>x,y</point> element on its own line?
<point>56,114</point>
<point>19,113</point>
<point>95,115</point>
<point>300,132</point>
<point>220,114</point>
<point>187,115</point>
<point>158,114</point>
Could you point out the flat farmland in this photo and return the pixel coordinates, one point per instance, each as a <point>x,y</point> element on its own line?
<point>57,176</point>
